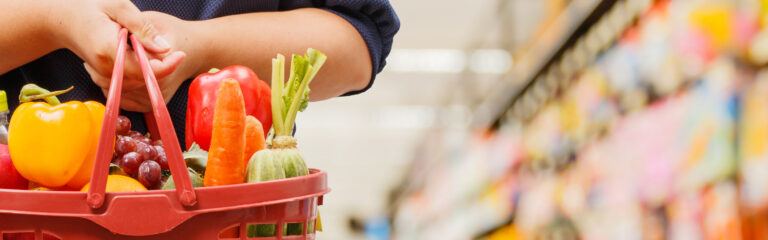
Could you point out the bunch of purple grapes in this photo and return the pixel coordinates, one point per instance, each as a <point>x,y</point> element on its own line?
<point>138,155</point>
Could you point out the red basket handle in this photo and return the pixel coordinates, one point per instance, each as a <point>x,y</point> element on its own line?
<point>178,167</point>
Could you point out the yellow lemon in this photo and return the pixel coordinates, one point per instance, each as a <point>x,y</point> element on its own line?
<point>120,183</point>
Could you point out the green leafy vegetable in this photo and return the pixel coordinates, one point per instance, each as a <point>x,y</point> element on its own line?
<point>292,96</point>
<point>115,169</point>
<point>196,158</point>
<point>196,179</point>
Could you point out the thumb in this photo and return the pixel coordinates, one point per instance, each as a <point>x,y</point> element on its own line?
<point>129,16</point>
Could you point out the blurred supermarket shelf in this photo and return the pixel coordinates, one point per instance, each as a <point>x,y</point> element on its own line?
<point>583,30</point>
<point>569,25</point>
<point>468,196</point>
<point>658,135</point>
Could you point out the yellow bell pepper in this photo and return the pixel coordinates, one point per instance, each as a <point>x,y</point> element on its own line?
<point>54,144</point>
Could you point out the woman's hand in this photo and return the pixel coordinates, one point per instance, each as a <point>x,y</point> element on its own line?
<point>89,28</point>
<point>168,68</point>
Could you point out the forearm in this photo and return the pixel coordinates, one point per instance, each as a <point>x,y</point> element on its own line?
<point>25,33</point>
<point>254,39</point>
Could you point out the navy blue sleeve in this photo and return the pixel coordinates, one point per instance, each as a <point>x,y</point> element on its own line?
<point>374,19</point>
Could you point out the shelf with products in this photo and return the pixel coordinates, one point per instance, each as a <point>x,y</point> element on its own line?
<point>570,23</point>
<point>601,20</point>
<point>662,134</point>
<point>432,179</point>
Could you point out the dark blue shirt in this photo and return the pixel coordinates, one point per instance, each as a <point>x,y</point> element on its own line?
<point>374,19</point>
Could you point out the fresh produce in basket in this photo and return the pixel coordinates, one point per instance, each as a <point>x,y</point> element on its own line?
<point>254,137</point>
<point>226,163</point>
<point>225,157</point>
<point>115,169</point>
<point>197,181</point>
<point>149,173</point>
<point>267,167</point>
<point>204,207</point>
<point>120,183</point>
<point>137,156</point>
<point>9,177</point>
<point>196,158</point>
<point>130,162</point>
<point>287,100</point>
<point>203,96</point>
<point>68,132</point>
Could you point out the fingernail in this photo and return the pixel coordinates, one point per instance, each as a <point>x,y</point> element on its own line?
<point>160,41</point>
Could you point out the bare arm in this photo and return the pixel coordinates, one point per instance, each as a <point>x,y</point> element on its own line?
<point>25,33</point>
<point>253,39</point>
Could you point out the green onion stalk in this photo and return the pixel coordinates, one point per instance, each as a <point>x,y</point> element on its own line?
<point>282,159</point>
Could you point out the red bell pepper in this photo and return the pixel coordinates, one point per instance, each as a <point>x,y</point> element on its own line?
<point>202,101</point>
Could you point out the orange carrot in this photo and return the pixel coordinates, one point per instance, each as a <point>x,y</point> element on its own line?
<point>225,155</point>
<point>254,137</point>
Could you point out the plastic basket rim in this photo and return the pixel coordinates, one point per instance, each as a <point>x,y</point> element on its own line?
<point>211,200</point>
<point>314,175</point>
<point>312,172</point>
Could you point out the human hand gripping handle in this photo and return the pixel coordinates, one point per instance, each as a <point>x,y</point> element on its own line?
<point>180,175</point>
<point>87,27</point>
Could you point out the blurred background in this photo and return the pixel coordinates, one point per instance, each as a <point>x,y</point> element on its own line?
<point>554,119</point>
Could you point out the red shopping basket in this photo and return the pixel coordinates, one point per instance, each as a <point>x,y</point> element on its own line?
<point>184,213</point>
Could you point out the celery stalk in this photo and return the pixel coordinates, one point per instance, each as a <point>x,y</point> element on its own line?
<point>277,90</point>
<point>292,96</point>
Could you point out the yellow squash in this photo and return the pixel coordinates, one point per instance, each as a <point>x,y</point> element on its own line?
<point>54,144</point>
